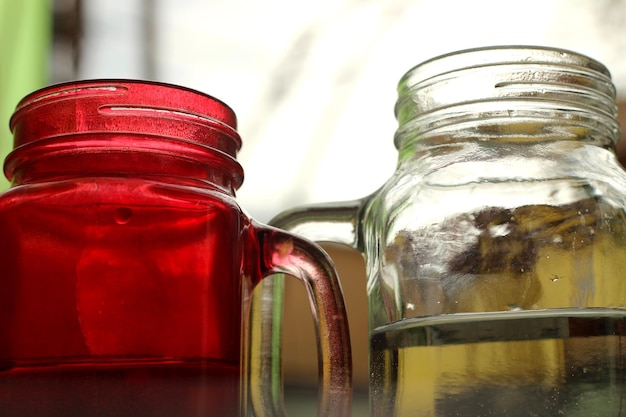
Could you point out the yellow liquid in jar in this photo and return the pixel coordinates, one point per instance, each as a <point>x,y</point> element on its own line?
<point>532,322</point>
<point>566,362</point>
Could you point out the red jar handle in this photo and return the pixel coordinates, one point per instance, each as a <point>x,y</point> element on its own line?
<point>284,253</point>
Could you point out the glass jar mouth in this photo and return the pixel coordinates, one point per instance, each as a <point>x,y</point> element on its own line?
<point>125,114</point>
<point>124,105</point>
<point>499,55</point>
<point>551,82</point>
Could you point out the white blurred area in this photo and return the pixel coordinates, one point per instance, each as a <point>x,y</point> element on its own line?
<point>313,83</point>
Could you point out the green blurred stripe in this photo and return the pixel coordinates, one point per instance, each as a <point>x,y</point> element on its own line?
<point>25,39</point>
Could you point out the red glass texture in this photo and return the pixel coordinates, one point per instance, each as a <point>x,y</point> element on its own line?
<point>122,254</point>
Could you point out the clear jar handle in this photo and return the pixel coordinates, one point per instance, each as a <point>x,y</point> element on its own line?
<point>326,222</point>
<point>284,253</point>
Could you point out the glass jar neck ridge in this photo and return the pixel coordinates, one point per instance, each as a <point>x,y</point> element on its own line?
<point>124,128</point>
<point>520,94</point>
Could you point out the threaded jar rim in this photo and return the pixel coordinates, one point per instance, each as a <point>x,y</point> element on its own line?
<point>68,116</point>
<point>553,82</point>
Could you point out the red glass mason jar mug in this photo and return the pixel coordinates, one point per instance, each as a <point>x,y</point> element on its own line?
<point>128,266</point>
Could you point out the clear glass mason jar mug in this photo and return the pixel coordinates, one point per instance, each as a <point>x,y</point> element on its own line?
<point>495,254</point>
<point>128,266</point>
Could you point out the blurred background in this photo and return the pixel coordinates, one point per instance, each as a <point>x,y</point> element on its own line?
<point>313,85</point>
